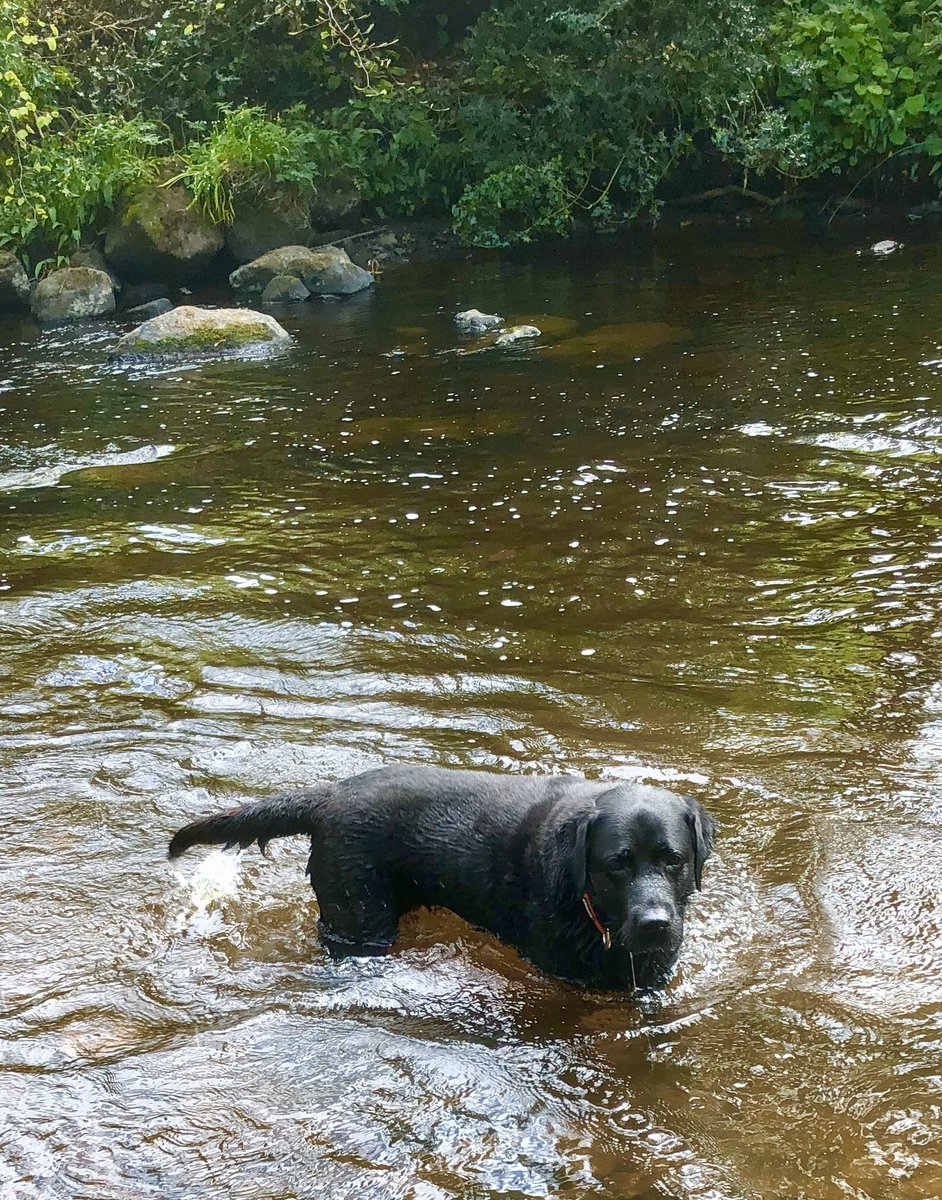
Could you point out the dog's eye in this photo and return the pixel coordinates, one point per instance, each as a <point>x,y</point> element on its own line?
<point>620,862</point>
<point>672,861</point>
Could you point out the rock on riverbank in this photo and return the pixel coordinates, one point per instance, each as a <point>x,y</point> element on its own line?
<point>160,234</point>
<point>73,294</point>
<point>14,283</point>
<point>325,271</point>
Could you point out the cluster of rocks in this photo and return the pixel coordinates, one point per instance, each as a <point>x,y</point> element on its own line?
<point>474,322</point>
<point>159,235</point>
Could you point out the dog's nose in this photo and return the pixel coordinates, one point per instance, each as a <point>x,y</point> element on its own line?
<point>654,925</point>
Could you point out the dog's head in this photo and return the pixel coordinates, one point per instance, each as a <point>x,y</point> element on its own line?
<point>637,854</point>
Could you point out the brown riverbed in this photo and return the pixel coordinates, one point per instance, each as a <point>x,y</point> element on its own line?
<point>694,534</point>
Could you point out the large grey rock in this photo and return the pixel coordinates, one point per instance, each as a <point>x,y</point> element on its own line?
<point>472,320</point>
<point>285,289</point>
<point>326,271</point>
<point>14,282</point>
<point>189,332</point>
<point>73,294</point>
<point>257,229</point>
<point>158,232</point>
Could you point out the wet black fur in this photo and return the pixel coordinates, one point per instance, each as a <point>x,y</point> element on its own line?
<point>510,854</point>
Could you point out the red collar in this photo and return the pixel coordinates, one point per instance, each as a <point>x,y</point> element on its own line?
<point>593,917</point>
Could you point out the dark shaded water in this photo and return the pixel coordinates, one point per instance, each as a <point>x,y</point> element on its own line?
<point>694,534</point>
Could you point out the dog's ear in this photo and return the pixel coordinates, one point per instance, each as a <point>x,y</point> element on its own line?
<point>574,835</point>
<point>703,832</point>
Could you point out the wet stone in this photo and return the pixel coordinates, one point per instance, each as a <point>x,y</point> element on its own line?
<point>325,271</point>
<point>472,320</point>
<point>14,282</point>
<point>285,289</point>
<point>517,333</point>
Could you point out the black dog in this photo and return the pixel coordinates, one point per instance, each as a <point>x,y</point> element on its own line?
<point>587,880</point>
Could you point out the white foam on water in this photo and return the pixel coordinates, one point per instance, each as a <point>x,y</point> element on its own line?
<point>215,880</point>
<point>50,474</point>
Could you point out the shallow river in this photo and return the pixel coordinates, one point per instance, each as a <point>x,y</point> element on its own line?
<point>693,534</point>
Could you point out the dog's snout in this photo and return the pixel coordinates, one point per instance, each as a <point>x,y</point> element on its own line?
<point>654,924</point>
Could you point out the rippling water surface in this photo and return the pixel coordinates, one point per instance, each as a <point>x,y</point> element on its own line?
<point>694,534</point>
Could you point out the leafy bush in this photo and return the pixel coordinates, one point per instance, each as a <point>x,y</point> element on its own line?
<point>64,182</point>
<point>587,107</point>
<point>861,79</point>
<point>399,150</point>
<point>58,168</point>
<point>514,204</point>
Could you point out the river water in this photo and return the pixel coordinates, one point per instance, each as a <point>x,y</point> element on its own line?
<point>693,534</point>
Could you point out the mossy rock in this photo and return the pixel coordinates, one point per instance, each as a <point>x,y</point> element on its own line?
<point>159,233</point>
<point>189,332</point>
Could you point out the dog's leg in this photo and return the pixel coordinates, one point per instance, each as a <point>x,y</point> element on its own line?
<point>359,911</point>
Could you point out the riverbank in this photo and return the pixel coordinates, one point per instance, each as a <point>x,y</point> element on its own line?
<point>157,272</point>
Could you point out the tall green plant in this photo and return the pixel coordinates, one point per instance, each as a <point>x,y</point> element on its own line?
<point>249,154</point>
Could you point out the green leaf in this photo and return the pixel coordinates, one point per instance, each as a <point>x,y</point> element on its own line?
<point>915,104</point>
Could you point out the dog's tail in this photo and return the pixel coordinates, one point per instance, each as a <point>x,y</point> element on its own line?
<point>279,816</point>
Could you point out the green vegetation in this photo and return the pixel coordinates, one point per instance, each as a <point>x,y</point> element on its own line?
<point>514,118</point>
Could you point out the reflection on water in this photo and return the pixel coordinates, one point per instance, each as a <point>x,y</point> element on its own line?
<point>693,533</point>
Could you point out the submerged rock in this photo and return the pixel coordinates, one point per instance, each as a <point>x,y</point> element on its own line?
<point>72,294</point>
<point>325,271</point>
<point>619,342</point>
<point>188,332</point>
<point>517,333</point>
<point>882,249</point>
<point>257,229</point>
<point>159,232</point>
<point>285,289</point>
<point>922,212</point>
<point>472,320</point>
<point>14,282</point>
